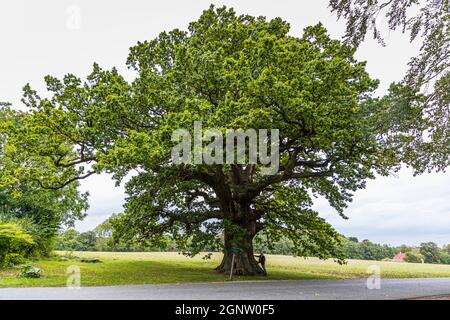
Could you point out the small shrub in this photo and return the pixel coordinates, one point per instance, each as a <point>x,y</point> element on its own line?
<point>28,271</point>
<point>15,244</point>
<point>12,259</point>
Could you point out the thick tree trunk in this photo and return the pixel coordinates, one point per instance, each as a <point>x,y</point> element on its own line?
<point>244,261</point>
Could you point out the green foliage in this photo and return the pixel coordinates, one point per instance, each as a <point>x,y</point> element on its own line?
<point>426,85</point>
<point>444,257</point>
<point>282,246</point>
<point>353,239</point>
<point>67,240</point>
<point>101,240</point>
<point>430,252</point>
<point>43,236</point>
<point>310,88</point>
<point>414,257</point>
<point>405,249</point>
<point>228,71</point>
<point>23,199</point>
<point>366,250</point>
<point>28,271</point>
<point>88,240</point>
<point>72,240</point>
<point>15,244</point>
<point>433,254</point>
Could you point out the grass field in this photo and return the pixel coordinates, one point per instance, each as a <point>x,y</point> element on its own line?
<point>157,268</point>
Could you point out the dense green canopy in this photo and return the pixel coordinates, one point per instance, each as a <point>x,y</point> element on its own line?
<point>228,72</point>
<point>23,168</point>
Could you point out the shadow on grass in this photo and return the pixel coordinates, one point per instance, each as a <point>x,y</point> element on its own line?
<point>123,272</point>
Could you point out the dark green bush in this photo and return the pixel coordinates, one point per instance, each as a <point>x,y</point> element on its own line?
<point>445,257</point>
<point>15,244</point>
<point>414,257</point>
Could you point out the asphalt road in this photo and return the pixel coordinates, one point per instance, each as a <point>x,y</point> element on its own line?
<point>259,290</point>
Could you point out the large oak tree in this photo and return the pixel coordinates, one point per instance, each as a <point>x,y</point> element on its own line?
<point>228,72</point>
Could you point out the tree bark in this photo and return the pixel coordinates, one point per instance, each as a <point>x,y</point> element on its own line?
<point>244,261</point>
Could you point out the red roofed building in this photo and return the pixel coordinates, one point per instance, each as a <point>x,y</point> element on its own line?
<point>399,256</point>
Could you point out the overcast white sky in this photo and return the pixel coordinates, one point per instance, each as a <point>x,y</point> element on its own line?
<point>57,37</point>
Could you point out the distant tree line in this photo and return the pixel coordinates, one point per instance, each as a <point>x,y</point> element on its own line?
<point>101,239</point>
<point>367,250</point>
<point>72,240</point>
<point>428,252</point>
